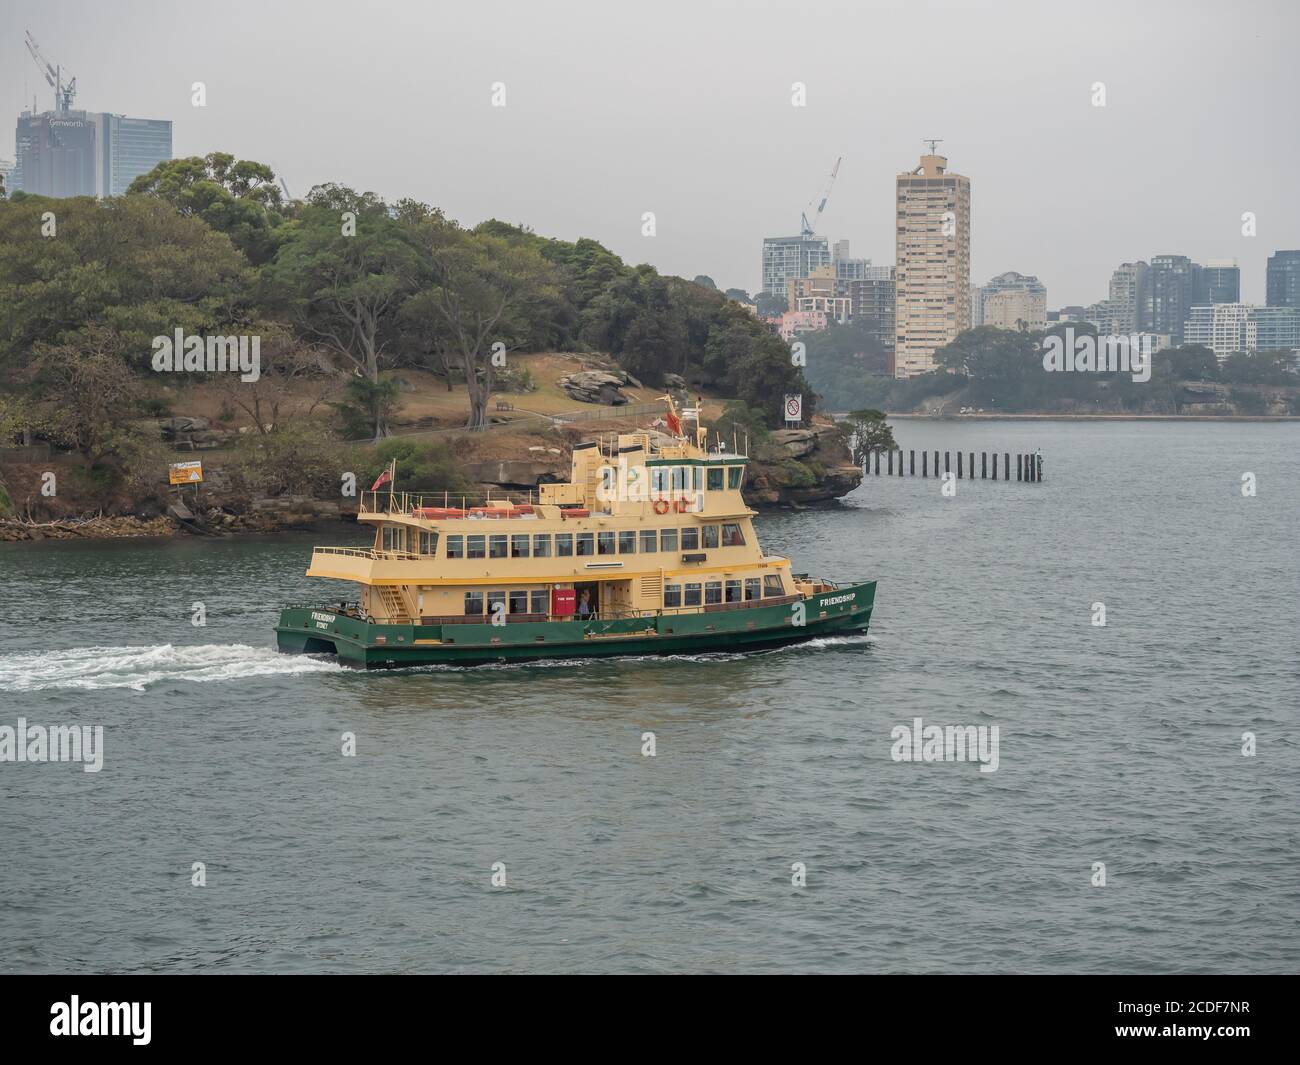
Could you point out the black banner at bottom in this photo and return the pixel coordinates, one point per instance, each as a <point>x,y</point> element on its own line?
<point>336,1013</point>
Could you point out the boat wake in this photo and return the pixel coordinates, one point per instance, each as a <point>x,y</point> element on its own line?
<point>96,668</point>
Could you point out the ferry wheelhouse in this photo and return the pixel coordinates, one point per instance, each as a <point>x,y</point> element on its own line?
<point>648,548</point>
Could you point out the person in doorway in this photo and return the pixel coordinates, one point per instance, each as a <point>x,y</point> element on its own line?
<point>585,610</point>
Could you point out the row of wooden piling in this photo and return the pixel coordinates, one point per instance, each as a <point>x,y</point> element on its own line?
<point>1029,467</point>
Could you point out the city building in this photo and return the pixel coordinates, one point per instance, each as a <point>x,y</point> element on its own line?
<point>792,323</point>
<point>820,291</point>
<point>129,147</point>
<point>6,175</point>
<point>1123,312</point>
<point>1228,328</point>
<point>932,282</point>
<point>1220,282</point>
<point>1172,282</point>
<point>80,153</point>
<point>1282,286</point>
<point>789,257</point>
<point>872,299</point>
<point>1011,299</point>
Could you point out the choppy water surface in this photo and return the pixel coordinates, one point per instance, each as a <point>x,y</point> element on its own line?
<point>1119,745</point>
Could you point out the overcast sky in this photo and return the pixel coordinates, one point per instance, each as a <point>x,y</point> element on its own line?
<point>684,109</point>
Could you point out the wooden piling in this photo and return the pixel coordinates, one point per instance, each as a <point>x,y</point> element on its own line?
<point>877,463</point>
<point>947,462</point>
<point>984,465</point>
<point>959,465</point>
<point>925,464</point>
<point>890,462</point>
<point>912,463</point>
<point>1020,460</point>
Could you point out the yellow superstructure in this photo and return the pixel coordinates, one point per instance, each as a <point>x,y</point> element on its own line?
<point>647,523</point>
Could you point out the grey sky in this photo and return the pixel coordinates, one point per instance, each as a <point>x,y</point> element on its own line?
<point>614,109</point>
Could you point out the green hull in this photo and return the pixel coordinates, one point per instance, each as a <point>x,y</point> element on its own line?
<point>318,630</point>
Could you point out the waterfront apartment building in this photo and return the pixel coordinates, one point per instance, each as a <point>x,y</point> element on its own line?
<point>83,153</point>
<point>1228,328</point>
<point>932,279</point>
<point>1220,282</point>
<point>1173,281</point>
<point>785,258</point>
<point>872,299</point>
<point>792,323</point>
<point>820,291</point>
<point>1012,301</point>
<point>1282,286</point>
<point>1123,312</point>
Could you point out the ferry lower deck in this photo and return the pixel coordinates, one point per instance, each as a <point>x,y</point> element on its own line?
<point>360,642</point>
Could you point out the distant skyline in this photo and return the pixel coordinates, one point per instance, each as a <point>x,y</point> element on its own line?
<point>684,109</point>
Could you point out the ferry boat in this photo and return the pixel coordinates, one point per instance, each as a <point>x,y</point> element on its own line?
<point>648,548</point>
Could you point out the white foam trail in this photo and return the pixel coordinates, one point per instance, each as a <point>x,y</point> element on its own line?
<point>94,668</point>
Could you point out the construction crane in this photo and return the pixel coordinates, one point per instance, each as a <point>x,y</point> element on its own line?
<point>807,228</point>
<point>63,94</point>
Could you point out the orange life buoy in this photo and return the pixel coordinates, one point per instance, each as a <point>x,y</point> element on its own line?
<point>661,506</point>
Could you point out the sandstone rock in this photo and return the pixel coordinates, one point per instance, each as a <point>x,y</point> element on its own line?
<point>595,386</point>
<point>798,442</point>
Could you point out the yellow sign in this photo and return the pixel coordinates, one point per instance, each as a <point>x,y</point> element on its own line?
<point>185,473</point>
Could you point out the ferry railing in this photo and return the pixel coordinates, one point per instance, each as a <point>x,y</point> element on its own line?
<point>373,554</point>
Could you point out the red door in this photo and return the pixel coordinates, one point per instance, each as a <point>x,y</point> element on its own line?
<point>564,601</point>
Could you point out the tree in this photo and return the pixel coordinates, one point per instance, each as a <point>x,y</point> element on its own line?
<point>484,288</point>
<point>344,279</point>
<point>705,281</point>
<point>132,263</point>
<point>868,433</point>
<point>93,394</point>
<point>240,198</point>
<point>294,379</point>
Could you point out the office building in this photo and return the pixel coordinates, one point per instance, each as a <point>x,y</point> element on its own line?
<point>1282,286</point>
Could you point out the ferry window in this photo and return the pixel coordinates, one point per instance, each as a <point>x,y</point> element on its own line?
<point>564,544</point>
<point>604,543</point>
<point>691,539</point>
<point>519,546</point>
<point>772,585</point>
<point>473,602</point>
<point>608,480</point>
<point>394,538</point>
<point>455,547</point>
<point>649,541</point>
<point>733,591</point>
<point>679,477</point>
<point>428,543</point>
<point>672,595</point>
<point>519,602</point>
<point>539,602</point>
<point>493,599</point>
<point>715,479</point>
<point>474,547</point>
<point>497,546</point>
<point>697,478</point>
<point>658,479</point>
<point>710,536</point>
<point>668,540</point>
<point>692,595</point>
<point>586,544</point>
<point>627,542</point>
<point>734,474</point>
<point>713,592</point>
<point>542,545</point>
<point>752,585</point>
<point>732,536</point>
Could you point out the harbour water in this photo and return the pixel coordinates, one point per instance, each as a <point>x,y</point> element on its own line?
<point>1119,745</point>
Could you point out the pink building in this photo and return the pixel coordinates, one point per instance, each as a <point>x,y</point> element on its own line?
<point>795,322</point>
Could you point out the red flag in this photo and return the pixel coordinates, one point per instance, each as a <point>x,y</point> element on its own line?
<point>674,423</point>
<point>382,479</point>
